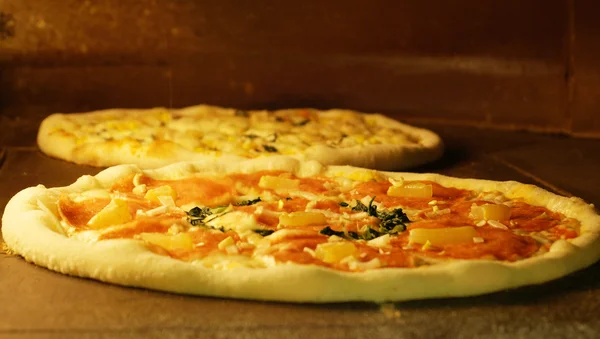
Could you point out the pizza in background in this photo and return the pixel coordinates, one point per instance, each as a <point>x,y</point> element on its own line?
<point>157,137</point>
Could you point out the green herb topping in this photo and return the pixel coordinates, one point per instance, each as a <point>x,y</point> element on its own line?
<point>196,216</point>
<point>301,123</point>
<point>328,231</point>
<point>390,222</point>
<point>264,233</point>
<point>270,149</point>
<point>272,137</point>
<point>247,202</point>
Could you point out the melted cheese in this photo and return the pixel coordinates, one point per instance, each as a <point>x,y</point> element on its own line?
<point>248,133</point>
<point>304,224</point>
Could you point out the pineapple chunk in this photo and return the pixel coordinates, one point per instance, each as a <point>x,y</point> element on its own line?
<point>442,236</point>
<point>302,219</point>
<point>169,242</point>
<point>160,191</point>
<point>115,213</point>
<point>272,182</point>
<point>331,252</point>
<point>226,243</point>
<point>412,190</point>
<point>491,212</point>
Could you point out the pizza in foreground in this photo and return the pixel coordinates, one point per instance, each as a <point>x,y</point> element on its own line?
<point>280,229</point>
<point>158,137</point>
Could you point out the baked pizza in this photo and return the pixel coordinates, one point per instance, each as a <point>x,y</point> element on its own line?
<point>157,137</point>
<point>281,229</point>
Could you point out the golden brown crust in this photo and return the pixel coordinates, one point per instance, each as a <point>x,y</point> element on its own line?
<point>29,231</point>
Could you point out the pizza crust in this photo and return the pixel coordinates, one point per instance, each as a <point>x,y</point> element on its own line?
<point>387,156</point>
<point>26,230</point>
<point>55,140</point>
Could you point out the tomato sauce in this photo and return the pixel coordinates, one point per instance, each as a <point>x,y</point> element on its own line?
<point>500,244</point>
<point>561,232</point>
<point>141,225</point>
<point>312,185</point>
<point>78,214</point>
<point>448,207</point>
<point>252,179</point>
<point>125,184</point>
<point>533,218</point>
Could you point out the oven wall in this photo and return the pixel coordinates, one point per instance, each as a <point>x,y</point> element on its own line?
<point>529,64</point>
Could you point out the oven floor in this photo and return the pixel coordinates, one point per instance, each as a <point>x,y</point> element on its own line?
<point>37,303</point>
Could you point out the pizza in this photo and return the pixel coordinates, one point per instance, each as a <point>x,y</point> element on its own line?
<point>282,229</point>
<point>157,137</point>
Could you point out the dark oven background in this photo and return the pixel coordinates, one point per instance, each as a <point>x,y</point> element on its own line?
<point>516,64</point>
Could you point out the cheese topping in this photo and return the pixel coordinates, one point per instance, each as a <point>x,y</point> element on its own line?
<point>245,133</point>
<point>213,221</point>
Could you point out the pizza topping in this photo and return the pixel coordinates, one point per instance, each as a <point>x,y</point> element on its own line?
<point>167,200</point>
<point>232,220</point>
<point>177,242</point>
<point>414,190</point>
<point>335,251</point>
<point>389,221</point>
<point>196,215</point>
<point>497,224</point>
<point>302,219</point>
<point>257,219</point>
<point>115,213</point>
<point>91,194</point>
<point>161,191</point>
<point>356,265</point>
<point>248,202</point>
<point>285,131</point>
<point>490,212</point>
<point>263,232</point>
<point>225,243</point>
<point>442,236</point>
<point>270,149</point>
<point>380,242</point>
<point>278,183</point>
<point>153,212</point>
